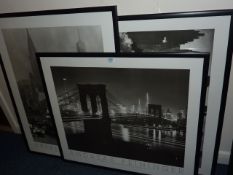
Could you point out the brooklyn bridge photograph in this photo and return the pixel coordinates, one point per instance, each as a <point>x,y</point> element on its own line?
<point>131,113</point>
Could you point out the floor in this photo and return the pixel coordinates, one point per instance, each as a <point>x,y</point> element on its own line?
<point>16,159</point>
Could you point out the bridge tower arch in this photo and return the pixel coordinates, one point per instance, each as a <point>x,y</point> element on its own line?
<point>97,129</point>
<point>97,96</point>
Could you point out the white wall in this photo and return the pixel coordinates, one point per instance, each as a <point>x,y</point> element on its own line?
<point>126,7</point>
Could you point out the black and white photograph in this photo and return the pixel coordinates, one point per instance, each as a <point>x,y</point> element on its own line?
<point>131,113</point>
<point>22,45</point>
<point>186,33</point>
<point>181,41</point>
<point>138,114</point>
<point>22,35</point>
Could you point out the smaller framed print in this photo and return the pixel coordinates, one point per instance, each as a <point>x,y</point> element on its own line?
<point>92,29</point>
<point>139,113</point>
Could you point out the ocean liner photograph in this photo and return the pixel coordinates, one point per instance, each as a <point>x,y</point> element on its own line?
<point>181,41</point>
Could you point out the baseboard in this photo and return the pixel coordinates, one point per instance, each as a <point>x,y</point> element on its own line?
<point>223,157</point>
<point>5,128</point>
<point>10,115</point>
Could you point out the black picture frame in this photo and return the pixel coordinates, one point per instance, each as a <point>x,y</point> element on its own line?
<point>230,165</point>
<point>17,20</point>
<point>9,113</point>
<point>11,97</point>
<point>16,111</point>
<point>210,147</point>
<point>110,57</point>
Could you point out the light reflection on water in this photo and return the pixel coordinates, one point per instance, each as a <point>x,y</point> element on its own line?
<point>74,127</point>
<point>137,134</point>
<point>125,133</point>
<point>146,135</point>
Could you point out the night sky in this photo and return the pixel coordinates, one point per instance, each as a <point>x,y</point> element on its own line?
<point>166,87</point>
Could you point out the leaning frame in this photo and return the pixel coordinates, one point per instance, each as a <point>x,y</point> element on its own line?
<point>86,143</point>
<point>23,34</point>
<point>220,63</point>
<point>13,123</point>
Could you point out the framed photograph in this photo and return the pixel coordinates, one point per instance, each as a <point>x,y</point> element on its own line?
<point>23,34</point>
<point>230,165</point>
<point>139,113</point>
<point>195,32</point>
<point>12,121</point>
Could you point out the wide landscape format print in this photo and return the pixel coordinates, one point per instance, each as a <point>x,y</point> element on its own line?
<point>22,44</point>
<point>132,113</point>
<point>167,41</point>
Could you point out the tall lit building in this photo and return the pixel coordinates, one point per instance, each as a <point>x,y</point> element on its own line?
<point>147,102</point>
<point>139,106</point>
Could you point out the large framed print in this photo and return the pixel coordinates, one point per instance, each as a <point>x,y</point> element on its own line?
<point>6,110</point>
<point>230,165</point>
<point>140,113</point>
<point>190,32</point>
<point>24,34</point>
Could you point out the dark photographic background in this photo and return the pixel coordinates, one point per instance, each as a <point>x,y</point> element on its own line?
<point>167,41</point>
<point>167,87</point>
<point>130,129</point>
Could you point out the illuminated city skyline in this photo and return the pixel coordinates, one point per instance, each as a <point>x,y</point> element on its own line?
<point>128,88</point>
